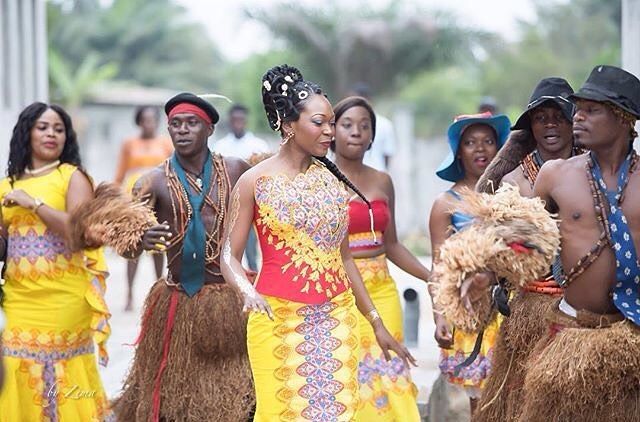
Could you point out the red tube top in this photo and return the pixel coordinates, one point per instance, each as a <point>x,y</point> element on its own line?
<point>360,236</point>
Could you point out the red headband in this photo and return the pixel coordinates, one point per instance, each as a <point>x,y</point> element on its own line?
<point>192,109</point>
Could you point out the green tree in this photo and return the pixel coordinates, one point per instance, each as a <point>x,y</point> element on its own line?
<point>340,45</point>
<point>152,42</point>
<point>566,40</point>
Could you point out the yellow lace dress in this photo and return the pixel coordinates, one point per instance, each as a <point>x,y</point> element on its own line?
<point>56,314</point>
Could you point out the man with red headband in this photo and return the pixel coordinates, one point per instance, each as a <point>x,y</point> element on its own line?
<point>191,358</point>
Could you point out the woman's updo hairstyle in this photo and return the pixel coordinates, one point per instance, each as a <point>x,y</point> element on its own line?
<point>284,92</point>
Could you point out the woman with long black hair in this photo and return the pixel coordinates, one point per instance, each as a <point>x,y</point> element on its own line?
<point>53,295</point>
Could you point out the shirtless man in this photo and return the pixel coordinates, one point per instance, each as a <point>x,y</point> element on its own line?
<point>587,367</point>
<point>191,360</point>
<point>548,119</point>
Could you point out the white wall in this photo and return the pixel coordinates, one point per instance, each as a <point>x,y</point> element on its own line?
<point>23,63</point>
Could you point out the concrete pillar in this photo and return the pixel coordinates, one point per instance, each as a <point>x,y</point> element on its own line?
<point>23,62</point>
<point>631,42</point>
<point>402,171</point>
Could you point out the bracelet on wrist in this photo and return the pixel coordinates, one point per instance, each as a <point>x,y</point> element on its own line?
<point>37,203</point>
<point>372,316</point>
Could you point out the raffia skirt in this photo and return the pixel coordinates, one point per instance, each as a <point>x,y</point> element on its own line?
<point>585,369</point>
<point>190,362</point>
<point>501,398</point>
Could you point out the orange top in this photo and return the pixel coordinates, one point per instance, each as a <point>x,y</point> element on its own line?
<point>301,224</point>
<point>138,155</point>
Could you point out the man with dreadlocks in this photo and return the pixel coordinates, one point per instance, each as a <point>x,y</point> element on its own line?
<point>587,366</point>
<point>191,358</point>
<point>543,132</point>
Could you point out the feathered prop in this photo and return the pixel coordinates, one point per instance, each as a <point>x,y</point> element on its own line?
<point>112,218</point>
<point>511,236</point>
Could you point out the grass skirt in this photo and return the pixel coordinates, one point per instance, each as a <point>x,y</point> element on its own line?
<point>587,369</point>
<point>206,374</point>
<point>502,396</point>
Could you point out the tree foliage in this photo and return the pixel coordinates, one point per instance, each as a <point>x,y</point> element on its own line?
<point>149,42</point>
<point>340,45</point>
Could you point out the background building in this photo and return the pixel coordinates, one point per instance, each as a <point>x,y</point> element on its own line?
<point>23,61</point>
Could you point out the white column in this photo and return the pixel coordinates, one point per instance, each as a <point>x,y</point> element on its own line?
<point>631,42</point>
<point>631,36</point>
<point>402,171</point>
<point>40,45</point>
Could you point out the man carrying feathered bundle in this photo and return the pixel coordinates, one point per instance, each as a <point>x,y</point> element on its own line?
<point>587,365</point>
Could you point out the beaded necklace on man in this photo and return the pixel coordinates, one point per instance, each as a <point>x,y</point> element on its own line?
<point>182,211</point>
<point>532,163</point>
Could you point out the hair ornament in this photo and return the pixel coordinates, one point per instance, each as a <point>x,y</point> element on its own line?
<point>278,122</point>
<point>210,97</point>
<point>303,94</point>
<point>267,85</point>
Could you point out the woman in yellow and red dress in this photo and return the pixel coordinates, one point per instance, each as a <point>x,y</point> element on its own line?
<point>52,296</point>
<point>386,390</point>
<point>303,332</point>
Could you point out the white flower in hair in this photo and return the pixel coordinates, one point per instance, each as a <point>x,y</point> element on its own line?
<point>288,79</point>
<point>267,85</point>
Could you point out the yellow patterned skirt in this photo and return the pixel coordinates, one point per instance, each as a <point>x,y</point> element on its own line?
<point>386,390</point>
<point>471,377</point>
<point>48,349</point>
<point>304,363</point>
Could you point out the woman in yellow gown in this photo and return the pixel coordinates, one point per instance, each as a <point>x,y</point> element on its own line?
<point>302,334</point>
<point>52,296</point>
<point>386,390</point>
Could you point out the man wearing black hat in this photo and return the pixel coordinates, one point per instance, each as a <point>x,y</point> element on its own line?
<point>191,359</point>
<point>543,132</point>
<point>587,366</point>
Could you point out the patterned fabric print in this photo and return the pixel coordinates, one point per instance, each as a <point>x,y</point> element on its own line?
<point>365,240</point>
<point>474,375</point>
<point>316,381</point>
<point>307,219</point>
<point>387,392</point>
<point>46,346</point>
<point>33,251</point>
<point>626,295</point>
<point>317,349</point>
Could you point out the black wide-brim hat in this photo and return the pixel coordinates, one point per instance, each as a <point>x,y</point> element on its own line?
<point>189,98</point>
<point>614,85</point>
<point>556,90</point>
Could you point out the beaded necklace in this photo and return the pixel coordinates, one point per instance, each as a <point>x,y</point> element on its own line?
<point>532,163</point>
<point>600,206</point>
<point>181,209</point>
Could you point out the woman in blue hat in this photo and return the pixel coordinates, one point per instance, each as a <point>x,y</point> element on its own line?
<point>474,141</point>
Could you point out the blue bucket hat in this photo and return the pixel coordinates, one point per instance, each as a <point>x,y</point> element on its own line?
<point>451,168</point>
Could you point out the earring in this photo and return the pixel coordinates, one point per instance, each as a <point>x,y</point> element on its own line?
<point>287,138</point>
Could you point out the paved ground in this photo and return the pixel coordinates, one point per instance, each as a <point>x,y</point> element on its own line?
<point>125,326</point>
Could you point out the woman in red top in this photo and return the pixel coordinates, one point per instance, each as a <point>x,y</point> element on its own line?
<point>302,334</point>
<point>386,390</point>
